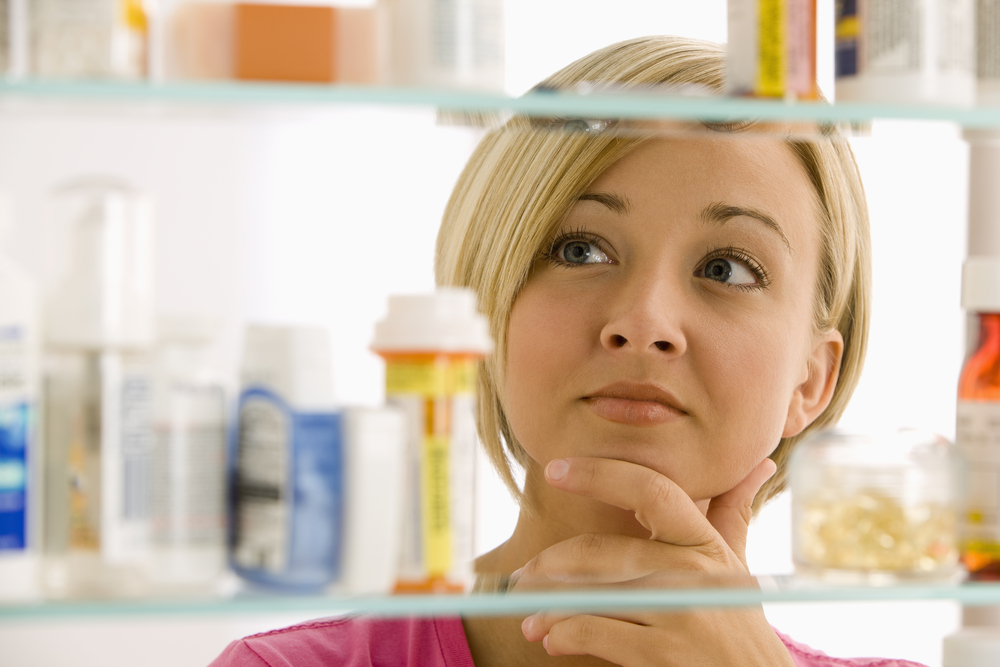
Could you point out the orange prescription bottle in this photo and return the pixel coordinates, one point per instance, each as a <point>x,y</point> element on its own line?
<point>432,344</point>
<point>978,420</point>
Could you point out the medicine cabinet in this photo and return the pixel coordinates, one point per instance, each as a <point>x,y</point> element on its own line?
<point>458,107</point>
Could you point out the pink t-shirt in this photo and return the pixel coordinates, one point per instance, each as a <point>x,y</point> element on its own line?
<point>414,642</point>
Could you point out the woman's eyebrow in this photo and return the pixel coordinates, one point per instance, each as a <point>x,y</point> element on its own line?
<point>616,203</point>
<point>720,214</point>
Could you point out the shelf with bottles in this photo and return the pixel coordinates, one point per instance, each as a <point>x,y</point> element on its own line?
<point>479,107</point>
<point>771,590</point>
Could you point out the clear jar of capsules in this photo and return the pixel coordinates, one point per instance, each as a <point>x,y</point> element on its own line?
<point>876,510</point>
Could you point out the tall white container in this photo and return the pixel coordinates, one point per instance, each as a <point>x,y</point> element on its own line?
<point>98,394</point>
<point>374,451</point>
<point>189,456</point>
<point>19,368</point>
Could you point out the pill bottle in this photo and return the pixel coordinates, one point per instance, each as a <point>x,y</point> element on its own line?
<point>977,426</point>
<point>876,509</point>
<point>286,464</point>
<point>97,425</point>
<point>19,453</point>
<point>189,453</point>
<point>905,52</point>
<point>432,345</point>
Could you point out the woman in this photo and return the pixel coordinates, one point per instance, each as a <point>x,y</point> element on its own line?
<point>675,305</point>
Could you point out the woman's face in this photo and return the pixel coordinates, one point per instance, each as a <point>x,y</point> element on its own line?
<point>671,322</point>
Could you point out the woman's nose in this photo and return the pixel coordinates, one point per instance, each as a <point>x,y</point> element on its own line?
<point>646,318</point>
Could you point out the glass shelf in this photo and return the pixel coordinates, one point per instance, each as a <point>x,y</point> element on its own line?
<point>600,104</point>
<point>772,590</point>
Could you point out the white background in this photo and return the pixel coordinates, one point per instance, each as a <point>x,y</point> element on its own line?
<point>314,215</point>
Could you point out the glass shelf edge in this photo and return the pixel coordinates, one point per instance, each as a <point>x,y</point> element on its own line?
<point>500,605</point>
<point>607,105</point>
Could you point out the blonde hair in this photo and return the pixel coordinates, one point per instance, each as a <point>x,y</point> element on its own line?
<point>522,179</point>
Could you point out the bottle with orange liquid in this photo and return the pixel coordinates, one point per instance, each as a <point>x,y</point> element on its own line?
<point>978,420</point>
<point>431,344</point>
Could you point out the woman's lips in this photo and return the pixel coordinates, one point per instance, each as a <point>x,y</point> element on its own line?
<point>631,411</point>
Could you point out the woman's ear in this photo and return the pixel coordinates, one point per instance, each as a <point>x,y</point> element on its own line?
<point>812,396</point>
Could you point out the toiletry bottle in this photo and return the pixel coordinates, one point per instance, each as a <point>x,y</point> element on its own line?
<point>97,394</point>
<point>286,479</point>
<point>457,44</point>
<point>905,52</point>
<point>432,344</point>
<point>771,50</point>
<point>374,445</point>
<point>88,38</point>
<point>19,369</point>
<point>978,420</point>
<point>189,452</point>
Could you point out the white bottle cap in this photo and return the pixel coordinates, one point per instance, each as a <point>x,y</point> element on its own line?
<point>971,647</point>
<point>444,321</point>
<point>292,362</point>
<point>105,296</point>
<point>981,284</point>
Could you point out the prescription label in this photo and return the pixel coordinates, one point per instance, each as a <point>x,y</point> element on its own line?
<point>978,438</point>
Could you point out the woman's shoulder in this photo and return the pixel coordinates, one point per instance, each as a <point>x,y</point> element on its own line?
<point>804,656</point>
<point>354,642</point>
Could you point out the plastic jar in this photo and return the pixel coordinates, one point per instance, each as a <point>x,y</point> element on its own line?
<point>876,510</point>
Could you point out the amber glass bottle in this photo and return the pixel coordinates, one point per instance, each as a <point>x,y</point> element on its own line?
<point>978,421</point>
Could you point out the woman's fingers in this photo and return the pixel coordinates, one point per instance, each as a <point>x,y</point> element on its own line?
<point>616,641</point>
<point>599,559</point>
<point>660,506</point>
<point>730,513</point>
<point>536,626</point>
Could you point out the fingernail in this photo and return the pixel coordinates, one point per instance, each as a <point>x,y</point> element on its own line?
<point>545,643</point>
<point>526,624</point>
<point>512,580</point>
<point>557,469</point>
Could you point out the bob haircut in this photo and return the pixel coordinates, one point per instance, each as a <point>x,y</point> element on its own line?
<point>522,180</point>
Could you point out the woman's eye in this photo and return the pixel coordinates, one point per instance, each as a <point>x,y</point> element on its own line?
<point>580,252</point>
<point>728,271</point>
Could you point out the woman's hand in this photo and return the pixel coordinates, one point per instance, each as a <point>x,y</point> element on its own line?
<point>685,548</point>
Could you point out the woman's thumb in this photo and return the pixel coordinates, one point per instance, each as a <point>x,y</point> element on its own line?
<point>730,513</point>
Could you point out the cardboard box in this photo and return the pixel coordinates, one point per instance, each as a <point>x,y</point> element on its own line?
<point>305,43</point>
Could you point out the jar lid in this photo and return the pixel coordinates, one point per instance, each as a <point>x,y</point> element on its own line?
<point>907,463</point>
